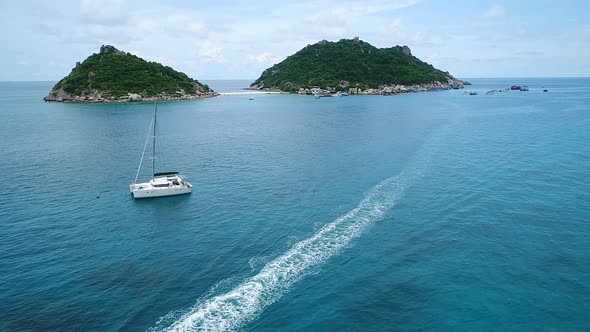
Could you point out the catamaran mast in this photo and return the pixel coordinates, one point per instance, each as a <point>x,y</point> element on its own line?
<point>154,144</point>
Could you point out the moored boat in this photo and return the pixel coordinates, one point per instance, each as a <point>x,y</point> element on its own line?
<point>163,183</point>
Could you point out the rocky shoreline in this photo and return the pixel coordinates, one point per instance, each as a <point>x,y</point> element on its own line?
<point>386,90</point>
<point>96,96</point>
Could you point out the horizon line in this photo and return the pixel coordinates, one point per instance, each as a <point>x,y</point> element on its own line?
<point>247,79</point>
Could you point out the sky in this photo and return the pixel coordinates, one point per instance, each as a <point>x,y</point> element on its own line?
<point>222,39</point>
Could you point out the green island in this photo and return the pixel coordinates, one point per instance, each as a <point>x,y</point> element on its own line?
<point>355,67</point>
<point>116,76</point>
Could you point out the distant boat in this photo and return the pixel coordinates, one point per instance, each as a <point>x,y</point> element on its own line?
<point>545,90</point>
<point>318,95</point>
<point>251,98</point>
<point>340,94</point>
<point>491,92</point>
<point>515,87</point>
<point>472,93</point>
<point>163,183</point>
<point>524,88</point>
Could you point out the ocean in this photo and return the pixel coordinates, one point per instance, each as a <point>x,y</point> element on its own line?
<point>425,211</point>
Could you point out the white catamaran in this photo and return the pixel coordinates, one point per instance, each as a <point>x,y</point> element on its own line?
<point>163,183</point>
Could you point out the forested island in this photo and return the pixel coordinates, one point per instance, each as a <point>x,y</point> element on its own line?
<point>355,67</point>
<point>116,76</point>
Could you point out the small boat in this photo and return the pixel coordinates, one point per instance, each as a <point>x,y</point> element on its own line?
<point>515,87</point>
<point>163,183</point>
<point>472,93</point>
<point>545,90</point>
<point>340,94</point>
<point>491,92</point>
<point>321,95</point>
<point>524,88</point>
<point>251,98</point>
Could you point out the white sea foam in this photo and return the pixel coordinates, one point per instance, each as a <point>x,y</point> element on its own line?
<point>248,299</point>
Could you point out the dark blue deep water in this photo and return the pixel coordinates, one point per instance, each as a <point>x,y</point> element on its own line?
<point>426,211</point>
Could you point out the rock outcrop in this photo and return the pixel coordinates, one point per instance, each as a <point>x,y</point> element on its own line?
<point>105,49</point>
<point>406,50</point>
<point>134,97</point>
<point>393,89</point>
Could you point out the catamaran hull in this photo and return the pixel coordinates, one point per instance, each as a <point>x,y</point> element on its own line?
<point>147,193</point>
<point>159,192</point>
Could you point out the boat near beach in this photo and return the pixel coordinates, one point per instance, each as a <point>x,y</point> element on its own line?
<point>319,95</point>
<point>163,183</point>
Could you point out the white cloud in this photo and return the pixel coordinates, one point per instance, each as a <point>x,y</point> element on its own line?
<point>103,12</point>
<point>494,12</point>
<point>364,8</point>
<point>265,58</point>
<point>208,51</point>
<point>177,25</point>
<point>24,64</point>
<point>396,32</point>
<point>327,26</point>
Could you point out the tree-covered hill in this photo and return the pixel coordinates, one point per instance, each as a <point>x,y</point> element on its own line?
<point>350,62</point>
<point>111,75</point>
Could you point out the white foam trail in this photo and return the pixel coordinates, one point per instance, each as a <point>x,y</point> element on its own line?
<point>247,300</point>
<point>230,310</point>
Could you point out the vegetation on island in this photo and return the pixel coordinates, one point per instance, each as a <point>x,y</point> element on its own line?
<point>115,73</point>
<point>348,62</point>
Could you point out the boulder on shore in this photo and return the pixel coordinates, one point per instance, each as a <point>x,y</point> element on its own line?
<point>134,97</point>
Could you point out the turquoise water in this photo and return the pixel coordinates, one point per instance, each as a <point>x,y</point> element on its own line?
<point>426,211</point>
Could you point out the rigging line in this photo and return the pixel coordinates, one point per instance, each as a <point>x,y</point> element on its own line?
<point>160,154</point>
<point>155,133</point>
<point>143,153</point>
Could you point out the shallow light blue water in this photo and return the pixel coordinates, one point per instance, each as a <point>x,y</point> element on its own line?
<point>426,211</point>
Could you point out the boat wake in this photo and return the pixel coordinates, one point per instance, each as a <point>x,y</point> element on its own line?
<point>247,300</point>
